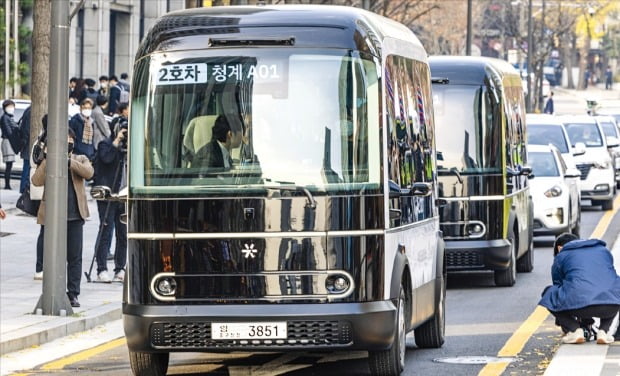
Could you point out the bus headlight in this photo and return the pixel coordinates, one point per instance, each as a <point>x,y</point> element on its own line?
<point>554,191</point>
<point>337,283</point>
<point>167,286</point>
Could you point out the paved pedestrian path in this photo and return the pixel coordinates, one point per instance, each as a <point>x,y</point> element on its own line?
<point>19,292</point>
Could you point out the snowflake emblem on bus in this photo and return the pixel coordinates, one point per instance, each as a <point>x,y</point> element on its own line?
<point>249,251</point>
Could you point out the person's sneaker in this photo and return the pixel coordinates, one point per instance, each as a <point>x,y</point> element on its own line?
<point>103,276</point>
<point>38,276</point>
<point>574,337</point>
<point>119,276</point>
<point>73,300</point>
<point>603,338</point>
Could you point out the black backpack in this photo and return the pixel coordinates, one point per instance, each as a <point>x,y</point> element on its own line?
<point>14,134</point>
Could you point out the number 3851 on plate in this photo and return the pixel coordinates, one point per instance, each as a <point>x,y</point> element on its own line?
<point>249,330</point>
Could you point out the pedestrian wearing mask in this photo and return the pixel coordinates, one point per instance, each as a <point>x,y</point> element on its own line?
<point>110,171</point>
<point>82,125</point>
<point>7,125</point>
<point>103,86</point>
<point>80,168</point>
<point>585,285</point>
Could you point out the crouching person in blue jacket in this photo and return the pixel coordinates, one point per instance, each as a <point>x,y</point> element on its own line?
<point>585,285</point>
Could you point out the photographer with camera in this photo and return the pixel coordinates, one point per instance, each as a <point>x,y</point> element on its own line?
<point>111,171</point>
<point>80,169</point>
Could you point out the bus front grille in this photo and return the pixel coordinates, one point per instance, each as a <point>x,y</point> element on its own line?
<point>197,335</point>
<point>463,259</point>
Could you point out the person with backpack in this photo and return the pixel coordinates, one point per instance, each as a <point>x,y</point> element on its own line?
<point>10,131</point>
<point>24,126</point>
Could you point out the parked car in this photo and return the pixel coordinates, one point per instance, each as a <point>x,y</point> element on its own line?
<point>555,192</point>
<point>610,111</point>
<point>598,176</point>
<point>545,129</point>
<point>611,131</point>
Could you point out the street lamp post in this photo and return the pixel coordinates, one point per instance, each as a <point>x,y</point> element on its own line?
<point>469,30</point>
<point>54,300</point>
<point>530,51</point>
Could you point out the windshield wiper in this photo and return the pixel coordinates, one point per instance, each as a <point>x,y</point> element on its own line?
<point>451,171</point>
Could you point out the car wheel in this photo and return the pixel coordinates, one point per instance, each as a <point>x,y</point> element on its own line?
<point>508,276</point>
<point>607,204</point>
<point>149,364</point>
<point>392,362</point>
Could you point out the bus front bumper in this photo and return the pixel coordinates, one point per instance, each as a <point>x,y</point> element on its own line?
<point>462,255</point>
<point>326,326</point>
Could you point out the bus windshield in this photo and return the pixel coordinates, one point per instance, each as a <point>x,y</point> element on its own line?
<point>248,119</point>
<point>469,132</point>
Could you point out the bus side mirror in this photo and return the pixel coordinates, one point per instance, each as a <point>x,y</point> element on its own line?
<point>526,170</point>
<point>421,189</point>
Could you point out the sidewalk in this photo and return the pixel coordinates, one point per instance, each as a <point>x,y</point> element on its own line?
<point>19,292</point>
<point>610,98</point>
<point>588,359</point>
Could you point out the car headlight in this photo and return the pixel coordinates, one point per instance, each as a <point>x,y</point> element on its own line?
<point>554,191</point>
<point>602,165</point>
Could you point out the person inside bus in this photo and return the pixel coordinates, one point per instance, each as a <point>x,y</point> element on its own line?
<point>216,154</point>
<point>585,285</point>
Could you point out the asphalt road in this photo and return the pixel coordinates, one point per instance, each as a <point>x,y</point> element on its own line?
<point>480,320</point>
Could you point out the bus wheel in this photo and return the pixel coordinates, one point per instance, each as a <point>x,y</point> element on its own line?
<point>392,362</point>
<point>149,364</point>
<point>431,334</point>
<point>526,263</point>
<point>507,277</point>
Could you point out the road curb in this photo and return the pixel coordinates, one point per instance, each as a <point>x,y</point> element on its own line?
<point>49,328</point>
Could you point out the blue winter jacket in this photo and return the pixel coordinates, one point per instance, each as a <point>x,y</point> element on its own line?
<point>583,274</point>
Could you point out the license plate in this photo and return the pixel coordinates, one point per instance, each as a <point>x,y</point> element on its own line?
<point>248,330</point>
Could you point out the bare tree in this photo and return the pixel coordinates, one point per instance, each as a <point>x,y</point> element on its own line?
<point>40,64</point>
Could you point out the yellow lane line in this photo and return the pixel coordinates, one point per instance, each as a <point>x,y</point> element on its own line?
<point>519,338</point>
<point>517,341</point>
<point>602,225</point>
<point>83,355</point>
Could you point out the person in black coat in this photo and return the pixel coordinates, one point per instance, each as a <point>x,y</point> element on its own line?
<point>110,171</point>
<point>7,127</point>
<point>115,96</point>
<point>216,154</point>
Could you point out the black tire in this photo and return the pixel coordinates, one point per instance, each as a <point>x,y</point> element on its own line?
<point>392,362</point>
<point>607,204</point>
<point>149,364</point>
<point>526,263</point>
<point>508,276</point>
<point>432,334</point>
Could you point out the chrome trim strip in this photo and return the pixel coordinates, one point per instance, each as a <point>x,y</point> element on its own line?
<point>328,297</point>
<point>486,198</point>
<point>243,235</point>
<point>150,236</point>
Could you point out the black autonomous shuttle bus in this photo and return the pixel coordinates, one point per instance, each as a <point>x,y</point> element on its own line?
<point>481,145</point>
<point>282,187</point>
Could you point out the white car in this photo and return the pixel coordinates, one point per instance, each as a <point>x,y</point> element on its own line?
<point>612,133</point>
<point>545,129</point>
<point>555,192</point>
<point>598,176</point>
